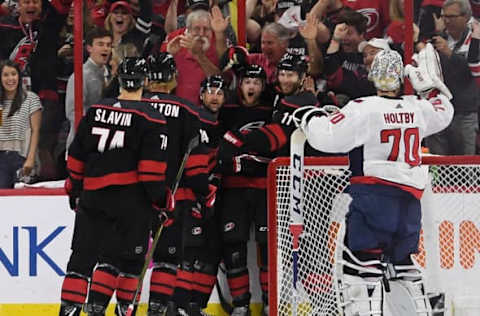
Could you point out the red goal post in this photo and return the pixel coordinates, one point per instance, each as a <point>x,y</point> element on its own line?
<point>449,250</point>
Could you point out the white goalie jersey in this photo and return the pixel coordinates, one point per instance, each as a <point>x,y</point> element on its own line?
<point>388,130</point>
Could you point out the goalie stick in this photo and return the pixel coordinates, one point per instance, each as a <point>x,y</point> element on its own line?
<point>191,145</point>
<point>297,144</point>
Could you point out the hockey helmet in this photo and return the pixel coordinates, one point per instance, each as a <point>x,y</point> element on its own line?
<point>297,63</point>
<point>132,72</point>
<point>213,82</point>
<point>386,71</point>
<point>161,67</point>
<point>254,71</point>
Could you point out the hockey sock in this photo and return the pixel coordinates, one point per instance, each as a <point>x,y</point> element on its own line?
<point>126,287</point>
<point>74,288</point>
<point>104,283</point>
<point>204,277</point>
<point>162,283</point>
<point>239,285</point>
<point>184,285</point>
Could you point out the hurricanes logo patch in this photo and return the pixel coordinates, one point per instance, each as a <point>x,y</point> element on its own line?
<point>229,226</point>
<point>196,231</point>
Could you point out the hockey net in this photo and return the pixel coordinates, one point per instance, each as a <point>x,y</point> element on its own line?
<point>449,250</point>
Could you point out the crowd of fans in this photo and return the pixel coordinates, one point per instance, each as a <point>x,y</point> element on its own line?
<point>339,38</point>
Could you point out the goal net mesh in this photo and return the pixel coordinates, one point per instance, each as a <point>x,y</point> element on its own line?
<point>449,246</point>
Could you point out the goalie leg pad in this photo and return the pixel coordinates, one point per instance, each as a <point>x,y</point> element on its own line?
<point>410,278</point>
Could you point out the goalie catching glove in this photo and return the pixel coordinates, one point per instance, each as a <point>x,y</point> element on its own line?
<point>203,208</point>
<point>427,78</point>
<point>166,214</point>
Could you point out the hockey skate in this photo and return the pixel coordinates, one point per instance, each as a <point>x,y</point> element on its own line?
<point>122,308</point>
<point>195,310</point>
<point>94,310</point>
<point>265,310</point>
<point>157,309</point>
<point>241,311</point>
<point>70,310</point>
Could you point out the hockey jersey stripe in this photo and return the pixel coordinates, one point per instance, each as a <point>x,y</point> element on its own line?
<point>150,177</point>
<point>417,193</point>
<point>276,136</point>
<point>119,178</point>
<point>75,165</point>
<point>152,166</point>
<point>185,194</point>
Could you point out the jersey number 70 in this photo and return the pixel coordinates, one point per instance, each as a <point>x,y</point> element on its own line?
<point>410,140</point>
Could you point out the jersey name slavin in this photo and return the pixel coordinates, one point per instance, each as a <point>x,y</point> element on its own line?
<point>398,118</point>
<point>114,118</point>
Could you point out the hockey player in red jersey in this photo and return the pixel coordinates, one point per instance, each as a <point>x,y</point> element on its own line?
<point>116,166</point>
<point>200,239</point>
<point>184,120</point>
<point>243,195</point>
<point>384,219</point>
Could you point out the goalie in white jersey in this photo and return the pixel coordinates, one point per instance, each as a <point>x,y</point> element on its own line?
<point>383,135</point>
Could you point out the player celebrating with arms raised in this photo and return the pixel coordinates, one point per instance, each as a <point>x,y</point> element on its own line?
<point>384,219</point>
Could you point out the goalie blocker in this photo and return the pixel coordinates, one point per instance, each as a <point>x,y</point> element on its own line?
<point>384,218</point>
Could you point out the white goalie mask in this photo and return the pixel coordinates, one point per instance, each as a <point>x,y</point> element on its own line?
<point>387,71</point>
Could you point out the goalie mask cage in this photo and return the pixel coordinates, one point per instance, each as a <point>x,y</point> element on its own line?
<point>449,249</point>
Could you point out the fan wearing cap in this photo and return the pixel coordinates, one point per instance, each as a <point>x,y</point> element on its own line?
<point>387,181</point>
<point>370,49</point>
<point>243,195</point>
<point>196,49</point>
<point>125,27</point>
<point>116,166</point>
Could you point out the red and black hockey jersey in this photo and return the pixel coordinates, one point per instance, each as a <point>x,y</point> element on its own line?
<point>237,121</point>
<point>184,121</point>
<point>120,145</point>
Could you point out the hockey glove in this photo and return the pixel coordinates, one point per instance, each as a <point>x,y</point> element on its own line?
<point>73,196</point>
<point>427,78</point>
<point>203,208</point>
<point>166,214</point>
<point>234,58</point>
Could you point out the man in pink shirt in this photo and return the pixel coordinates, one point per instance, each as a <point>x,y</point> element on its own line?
<point>196,49</point>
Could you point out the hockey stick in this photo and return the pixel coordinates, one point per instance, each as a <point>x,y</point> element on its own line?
<point>297,143</point>
<point>226,306</point>
<point>191,145</point>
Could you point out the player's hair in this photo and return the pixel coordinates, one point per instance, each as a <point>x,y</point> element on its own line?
<point>278,30</point>
<point>465,7</point>
<point>195,16</point>
<point>395,8</point>
<point>96,32</point>
<point>355,19</point>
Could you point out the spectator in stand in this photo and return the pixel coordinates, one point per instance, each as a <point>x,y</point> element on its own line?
<point>274,44</point>
<point>344,66</point>
<point>95,76</point>
<point>124,27</point>
<point>474,52</point>
<point>370,49</point>
<point>119,53</point>
<point>196,50</point>
<point>429,11</point>
<point>20,110</point>
<point>395,32</point>
<point>453,46</point>
<point>377,14</point>
<point>30,39</point>
<point>174,21</point>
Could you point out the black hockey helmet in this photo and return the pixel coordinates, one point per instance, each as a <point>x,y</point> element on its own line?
<point>254,71</point>
<point>291,62</point>
<point>132,72</point>
<point>161,67</point>
<point>215,82</point>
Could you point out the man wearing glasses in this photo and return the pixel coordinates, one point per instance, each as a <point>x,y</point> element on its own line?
<point>452,44</point>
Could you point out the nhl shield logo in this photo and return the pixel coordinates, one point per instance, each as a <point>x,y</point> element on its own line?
<point>229,227</point>
<point>172,250</point>
<point>138,250</point>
